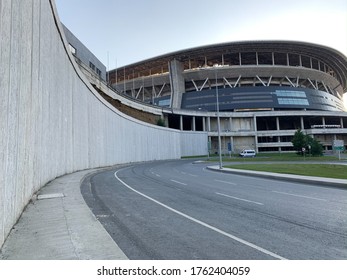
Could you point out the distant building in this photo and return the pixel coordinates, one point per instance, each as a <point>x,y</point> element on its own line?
<point>84,56</point>
<point>267,90</point>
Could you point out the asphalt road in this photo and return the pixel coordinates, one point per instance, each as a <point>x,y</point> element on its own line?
<point>180,210</point>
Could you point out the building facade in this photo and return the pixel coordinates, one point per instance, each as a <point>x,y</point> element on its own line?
<point>84,57</point>
<point>266,91</point>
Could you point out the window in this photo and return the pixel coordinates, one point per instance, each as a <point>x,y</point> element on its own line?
<point>280,59</point>
<point>306,61</point>
<point>91,65</point>
<point>294,60</point>
<point>233,58</point>
<point>292,101</point>
<point>290,93</point>
<point>265,58</point>
<point>315,64</point>
<point>165,102</point>
<point>72,49</point>
<point>248,58</point>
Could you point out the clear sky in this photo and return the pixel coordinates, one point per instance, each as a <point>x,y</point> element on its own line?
<point>120,32</point>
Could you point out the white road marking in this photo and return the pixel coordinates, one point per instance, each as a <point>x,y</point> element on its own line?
<point>225,182</point>
<point>260,249</point>
<point>303,196</point>
<point>237,198</point>
<point>153,173</point>
<point>185,173</point>
<point>184,184</point>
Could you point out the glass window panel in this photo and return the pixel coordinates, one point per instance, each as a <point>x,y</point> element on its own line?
<point>292,101</point>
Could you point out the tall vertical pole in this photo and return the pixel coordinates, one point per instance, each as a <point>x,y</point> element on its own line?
<point>218,124</point>
<point>124,90</point>
<point>108,69</point>
<point>116,74</point>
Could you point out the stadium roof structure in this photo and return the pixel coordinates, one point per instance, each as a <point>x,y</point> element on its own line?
<point>331,57</point>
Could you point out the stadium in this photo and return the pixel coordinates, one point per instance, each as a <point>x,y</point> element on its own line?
<point>266,90</point>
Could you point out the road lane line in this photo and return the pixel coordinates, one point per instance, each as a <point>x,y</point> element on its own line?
<point>184,184</point>
<point>225,182</point>
<point>185,173</point>
<point>260,249</point>
<point>237,198</point>
<point>303,196</point>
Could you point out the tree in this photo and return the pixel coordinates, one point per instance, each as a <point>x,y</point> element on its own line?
<point>299,141</point>
<point>315,147</point>
<point>312,146</point>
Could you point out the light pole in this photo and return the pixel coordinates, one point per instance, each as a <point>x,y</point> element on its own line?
<point>218,125</point>
<point>204,129</point>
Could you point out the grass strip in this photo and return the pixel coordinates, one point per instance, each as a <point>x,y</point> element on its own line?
<point>276,157</point>
<point>319,170</point>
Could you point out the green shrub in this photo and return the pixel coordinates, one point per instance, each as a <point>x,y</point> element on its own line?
<point>312,146</point>
<point>161,122</point>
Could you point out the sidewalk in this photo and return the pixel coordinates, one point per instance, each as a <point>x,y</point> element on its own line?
<point>288,177</point>
<point>58,225</point>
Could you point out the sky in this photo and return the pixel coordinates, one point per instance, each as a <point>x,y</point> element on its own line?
<point>121,32</point>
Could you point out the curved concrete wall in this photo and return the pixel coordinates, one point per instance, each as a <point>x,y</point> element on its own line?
<point>51,120</point>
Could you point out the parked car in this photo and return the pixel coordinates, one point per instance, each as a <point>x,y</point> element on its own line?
<point>247,153</point>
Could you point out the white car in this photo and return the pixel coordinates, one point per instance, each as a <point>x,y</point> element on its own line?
<point>247,153</point>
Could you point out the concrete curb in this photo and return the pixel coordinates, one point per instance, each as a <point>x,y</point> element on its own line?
<point>330,182</point>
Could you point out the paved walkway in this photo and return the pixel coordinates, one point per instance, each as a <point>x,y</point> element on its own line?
<point>59,225</point>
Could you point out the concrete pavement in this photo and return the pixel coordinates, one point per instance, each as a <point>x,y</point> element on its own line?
<point>58,225</point>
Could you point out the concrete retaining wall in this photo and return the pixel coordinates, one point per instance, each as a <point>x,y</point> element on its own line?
<point>193,143</point>
<point>51,120</point>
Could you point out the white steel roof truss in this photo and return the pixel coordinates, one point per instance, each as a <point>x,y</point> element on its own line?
<point>237,81</point>
<point>203,85</point>
<point>138,92</point>
<point>325,87</point>
<point>196,87</point>
<point>290,81</point>
<point>227,82</point>
<point>261,80</point>
<point>268,83</point>
<point>161,90</point>
<point>313,85</point>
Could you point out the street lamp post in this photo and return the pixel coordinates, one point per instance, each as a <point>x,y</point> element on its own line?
<point>218,125</point>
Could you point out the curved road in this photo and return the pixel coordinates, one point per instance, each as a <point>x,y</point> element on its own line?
<point>180,210</point>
